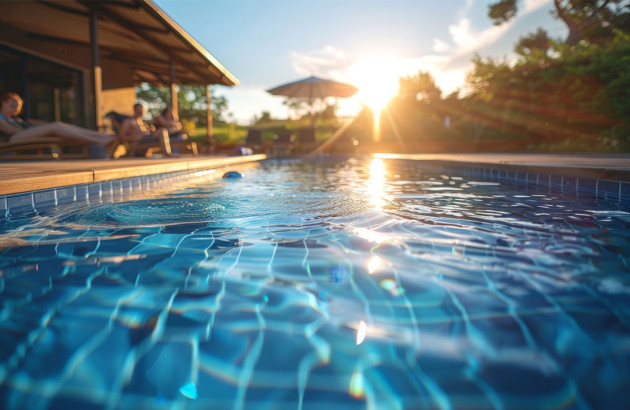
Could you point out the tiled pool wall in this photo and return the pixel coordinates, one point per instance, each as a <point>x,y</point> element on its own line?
<point>121,189</point>
<point>97,192</point>
<point>552,183</point>
<point>565,185</point>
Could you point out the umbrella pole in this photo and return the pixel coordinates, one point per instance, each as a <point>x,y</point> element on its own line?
<point>313,118</point>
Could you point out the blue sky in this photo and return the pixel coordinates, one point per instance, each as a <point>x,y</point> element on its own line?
<point>369,43</point>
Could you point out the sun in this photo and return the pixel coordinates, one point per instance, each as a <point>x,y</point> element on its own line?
<point>377,80</point>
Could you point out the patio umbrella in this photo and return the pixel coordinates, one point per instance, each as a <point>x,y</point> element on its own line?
<point>314,87</point>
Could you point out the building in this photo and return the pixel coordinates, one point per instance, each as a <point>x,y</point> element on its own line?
<point>74,61</point>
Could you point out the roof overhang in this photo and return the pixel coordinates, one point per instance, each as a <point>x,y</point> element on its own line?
<point>135,36</point>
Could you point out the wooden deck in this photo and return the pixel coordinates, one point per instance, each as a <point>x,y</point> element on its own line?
<point>26,176</point>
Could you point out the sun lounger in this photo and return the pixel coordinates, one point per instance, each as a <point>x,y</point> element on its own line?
<point>179,143</point>
<point>306,140</point>
<point>49,148</point>
<point>283,144</point>
<point>254,140</point>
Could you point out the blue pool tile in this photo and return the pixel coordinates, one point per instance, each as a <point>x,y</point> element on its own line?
<point>117,187</point>
<point>81,193</point>
<point>608,189</point>
<point>569,185</point>
<point>66,195</point>
<point>511,175</point>
<point>531,179</point>
<point>587,186</point>
<point>555,183</point>
<point>625,192</point>
<point>107,191</point>
<point>544,180</point>
<point>94,193</point>
<point>127,186</point>
<point>20,201</point>
<point>45,200</point>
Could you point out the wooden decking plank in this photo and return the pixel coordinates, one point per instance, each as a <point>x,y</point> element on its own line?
<point>35,175</point>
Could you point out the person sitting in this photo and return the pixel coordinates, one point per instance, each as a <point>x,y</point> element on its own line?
<point>138,134</point>
<point>13,128</point>
<point>173,126</point>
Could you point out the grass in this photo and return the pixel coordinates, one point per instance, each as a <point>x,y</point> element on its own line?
<point>233,133</point>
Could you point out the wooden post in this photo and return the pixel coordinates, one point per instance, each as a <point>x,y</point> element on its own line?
<point>174,104</point>
<point>210,132</point>
<point>210,145</point>
<point>97,75</point>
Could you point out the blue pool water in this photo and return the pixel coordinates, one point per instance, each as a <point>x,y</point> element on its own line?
<point>343,285</point>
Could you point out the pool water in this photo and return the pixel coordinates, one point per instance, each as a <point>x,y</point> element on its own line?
<point>319,285</point>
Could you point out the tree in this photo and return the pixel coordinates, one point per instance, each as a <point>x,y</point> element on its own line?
<point>581,95</point>
<point>265,117</point>
<point>315,108</point>
<point>590,20</point>
<point>191,100</point>
<point>534,41</point>
<point>419,86</point>
<point>297,105</point>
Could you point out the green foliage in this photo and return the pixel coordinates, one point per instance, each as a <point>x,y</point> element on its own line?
<point>502,11</point>
<point>582,93</point>
<point>553,97</point>
<point>594,21</point>
<point>304,107</point>
<point>191,100</point>
<point>534,42</point>
<point>419,86</point>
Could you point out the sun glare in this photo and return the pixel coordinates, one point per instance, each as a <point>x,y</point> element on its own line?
<point>377,80</point>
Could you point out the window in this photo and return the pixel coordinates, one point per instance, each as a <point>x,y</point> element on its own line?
<point>51,91</point>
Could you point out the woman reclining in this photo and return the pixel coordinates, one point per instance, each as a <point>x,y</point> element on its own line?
<point>13,128</point>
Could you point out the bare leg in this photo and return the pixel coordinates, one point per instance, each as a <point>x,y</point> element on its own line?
<point>162,136</point>
<point>63,130</point>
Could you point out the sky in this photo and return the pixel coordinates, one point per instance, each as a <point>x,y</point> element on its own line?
<point>367,43</point>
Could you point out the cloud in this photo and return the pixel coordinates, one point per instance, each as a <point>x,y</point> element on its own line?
<point>453,62</point>
<point>531,5</point>
<point>440,46</point>
<point>468,42</point>
<point>448,66</point>
<point>329,62</point>
<point>449,74</point>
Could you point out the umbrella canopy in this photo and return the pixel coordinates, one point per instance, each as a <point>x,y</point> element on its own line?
<point>314,87</point>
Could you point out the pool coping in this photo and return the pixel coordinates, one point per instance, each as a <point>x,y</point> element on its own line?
<point>48,184</point>
<point>28,176</point>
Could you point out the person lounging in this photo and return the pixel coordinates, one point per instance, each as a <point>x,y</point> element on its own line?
<point>13,128</point>
<point>167,120</point>
<point>138,134</point>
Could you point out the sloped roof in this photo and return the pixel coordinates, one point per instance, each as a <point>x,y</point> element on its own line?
<point>135,33</point>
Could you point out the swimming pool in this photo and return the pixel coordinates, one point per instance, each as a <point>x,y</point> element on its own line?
<point>349,284</point>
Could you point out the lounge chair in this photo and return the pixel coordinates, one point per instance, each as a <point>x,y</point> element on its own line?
<point>254,139</point>
<point>180,142</point>
<point>306,140</point>
<point>283,144</point>
<point>50,148</point>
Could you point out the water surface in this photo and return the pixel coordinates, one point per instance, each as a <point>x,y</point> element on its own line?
<point>350,284</point>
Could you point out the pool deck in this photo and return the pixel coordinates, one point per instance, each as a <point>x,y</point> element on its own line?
<point>615,167</point>
<point>25,176</point>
